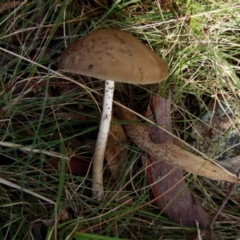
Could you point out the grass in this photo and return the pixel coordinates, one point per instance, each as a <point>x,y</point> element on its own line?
<point>45,114</point>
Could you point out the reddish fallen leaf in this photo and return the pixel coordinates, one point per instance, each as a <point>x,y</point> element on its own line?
<point>170,189</point>
<point>76,166</point>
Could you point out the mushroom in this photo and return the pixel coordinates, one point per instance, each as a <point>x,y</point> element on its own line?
<point>111,55</point>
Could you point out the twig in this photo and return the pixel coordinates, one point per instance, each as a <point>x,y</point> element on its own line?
<point>210,228</point>
<point>230,190</point>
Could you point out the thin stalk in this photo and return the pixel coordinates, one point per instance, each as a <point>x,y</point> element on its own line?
<point>98,157</point>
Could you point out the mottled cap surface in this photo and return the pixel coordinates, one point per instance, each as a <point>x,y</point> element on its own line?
<point>112,54</point>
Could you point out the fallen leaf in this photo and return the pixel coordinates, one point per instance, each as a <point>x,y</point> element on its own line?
<point>168,184</point>
<point>172,154</point>
<point>116,152</point>
<point>75,166</point>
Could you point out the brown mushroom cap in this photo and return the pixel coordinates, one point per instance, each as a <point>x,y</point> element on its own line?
<point>112,54</point>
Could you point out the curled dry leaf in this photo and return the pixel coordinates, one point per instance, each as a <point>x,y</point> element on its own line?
<point>172,154</point>
<point>168,184</point>
<point>116,152</point>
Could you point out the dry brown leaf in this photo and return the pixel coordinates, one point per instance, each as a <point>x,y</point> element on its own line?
<point>76,166</point>
<point>116,152</point>
<point>172,154</point>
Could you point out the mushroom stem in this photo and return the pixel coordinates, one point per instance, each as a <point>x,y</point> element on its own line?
<point>98,156</point>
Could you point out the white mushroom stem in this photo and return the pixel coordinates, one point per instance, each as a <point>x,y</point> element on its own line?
<point>98,157</point>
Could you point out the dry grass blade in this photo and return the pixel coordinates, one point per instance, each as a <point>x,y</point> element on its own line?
<point>31,149</point>
<point>13,185</point>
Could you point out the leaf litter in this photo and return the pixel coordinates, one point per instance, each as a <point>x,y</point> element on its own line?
<point>165,164</point>
<point>171,153</point>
